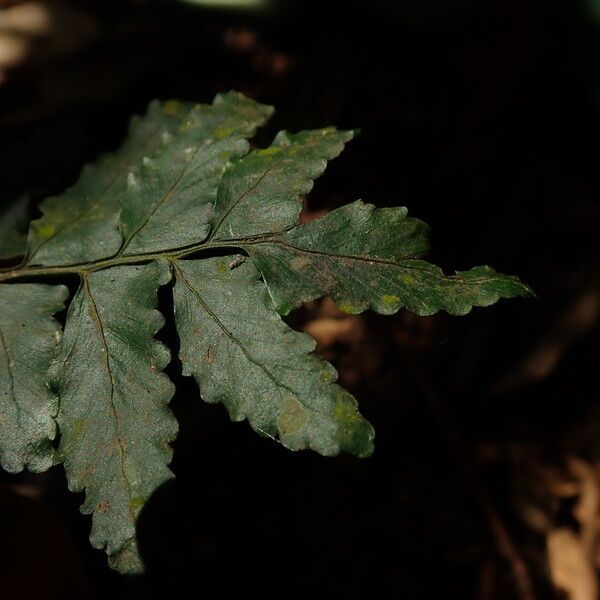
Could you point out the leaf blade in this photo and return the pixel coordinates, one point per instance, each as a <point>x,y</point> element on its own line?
<point>261,192</point>
<point>29,338</point>
<point>114,420</point>
<point>365,257</point>
<point>172,196</point>
<point>81,224</point>
<point>242,354</point>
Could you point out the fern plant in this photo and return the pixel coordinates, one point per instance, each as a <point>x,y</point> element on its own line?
<point>186,202</point>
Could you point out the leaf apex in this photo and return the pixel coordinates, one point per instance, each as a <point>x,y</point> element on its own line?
<point>234,97</point>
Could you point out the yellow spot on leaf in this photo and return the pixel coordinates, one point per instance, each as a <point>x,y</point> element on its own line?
<point>136,503</point>
<point>325,376</point>
<point>45,231</point>
<point>390,300</point>
<point>269,151</point>
<point>223,132</point>
<point>344,412</point>
<point>348,308</point>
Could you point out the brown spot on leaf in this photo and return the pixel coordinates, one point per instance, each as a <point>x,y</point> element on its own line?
<point>208,357</point>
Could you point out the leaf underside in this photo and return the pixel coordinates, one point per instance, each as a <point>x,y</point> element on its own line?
<point>186,184</point>
<point>237,347</point>
<point>29,337</point>
<point>109,373</point>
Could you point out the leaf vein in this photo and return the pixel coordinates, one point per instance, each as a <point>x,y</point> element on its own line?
<point>244,350</point>
<point>112,395</point>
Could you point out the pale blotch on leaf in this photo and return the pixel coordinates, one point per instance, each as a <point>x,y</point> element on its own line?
<point>223,266</point>
<point>78,427</point>
<point>293,417</point>
<point>300,262</point>
<point>132,182</point>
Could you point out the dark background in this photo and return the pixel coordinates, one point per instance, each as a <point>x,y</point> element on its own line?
<point>483,118</point>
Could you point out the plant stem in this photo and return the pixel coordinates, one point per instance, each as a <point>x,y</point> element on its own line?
<point>26,271</point>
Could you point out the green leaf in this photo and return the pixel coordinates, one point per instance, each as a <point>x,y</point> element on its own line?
<point>184,193</point>
<point>365,257</point>
<point>29,337</point>
<point>170,198</point>
<point>261,192</point>
<point>13,228</point>
<point>163,179</point>
<point>114,421</point>
<point>243,355</point>
<point>81,225</point>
